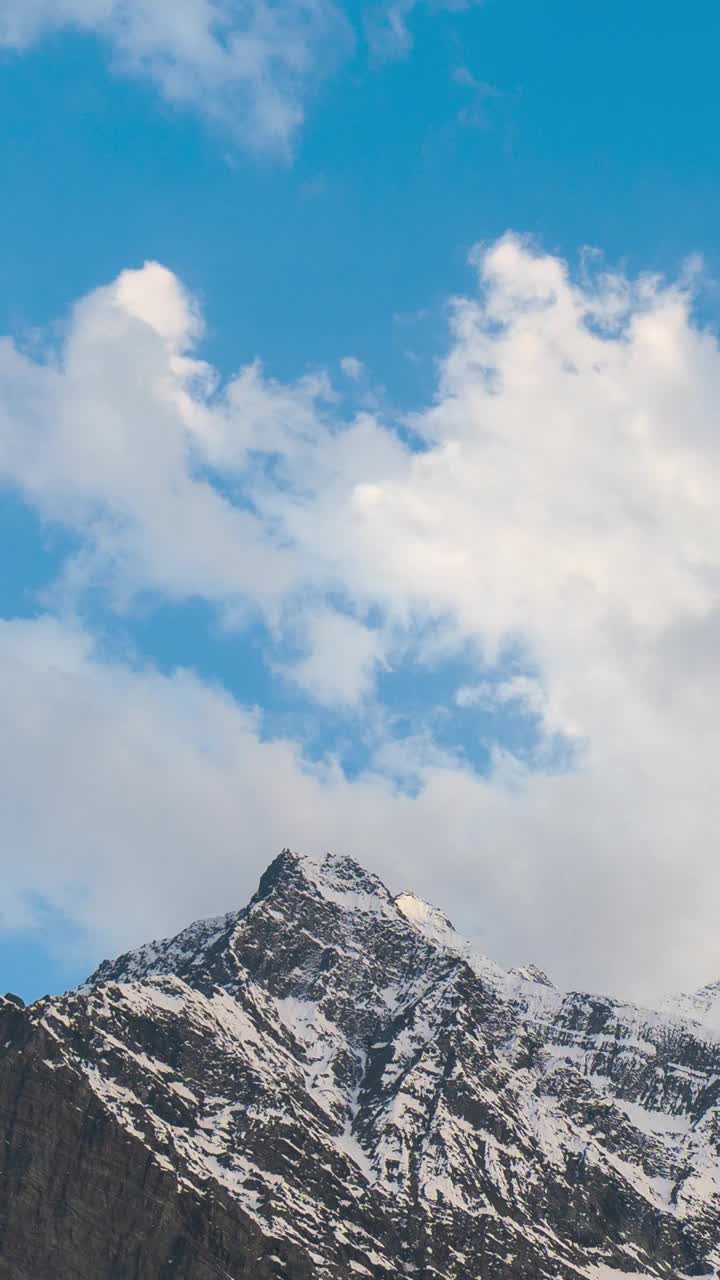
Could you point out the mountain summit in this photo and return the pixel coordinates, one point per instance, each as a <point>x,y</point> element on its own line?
<point>332,1083</point>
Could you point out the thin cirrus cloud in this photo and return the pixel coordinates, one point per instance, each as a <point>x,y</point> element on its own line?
<point>557,520</point>
<point>388,26</point>
<point>249,64</point>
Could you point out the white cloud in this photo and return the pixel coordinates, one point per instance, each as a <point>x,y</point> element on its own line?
<point>250,65</point>
<point>342,653</point>
<point>388,26</point>
<point>247,63</point>
<point>563,509</point>
<point>111,435</point>
<point>524,692</point>
<point>352,367</point>
<point>136,801</point>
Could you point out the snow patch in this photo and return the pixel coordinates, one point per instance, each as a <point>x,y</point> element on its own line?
<point>428,920</point>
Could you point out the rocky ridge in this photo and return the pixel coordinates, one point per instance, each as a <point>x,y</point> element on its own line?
<point>332,1083</point>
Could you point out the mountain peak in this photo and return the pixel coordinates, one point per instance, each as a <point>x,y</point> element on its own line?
<point>331,1081</point>
<point>531,973</point>
<point>430,921</point>
<point>323,900</point>
<point>330,874</point>
<point>702,1005</point>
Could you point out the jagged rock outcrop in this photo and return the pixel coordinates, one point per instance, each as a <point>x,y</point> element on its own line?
<point>331,1083</point>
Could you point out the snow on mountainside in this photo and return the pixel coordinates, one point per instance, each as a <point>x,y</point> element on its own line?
<point>366,1094</point>
<point>431,922</point>
<point>702,1005</point>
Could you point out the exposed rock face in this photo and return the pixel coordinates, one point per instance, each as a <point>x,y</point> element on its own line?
<point>332,1084</point>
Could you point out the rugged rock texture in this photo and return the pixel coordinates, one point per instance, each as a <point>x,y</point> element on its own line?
<point>331,1083</point>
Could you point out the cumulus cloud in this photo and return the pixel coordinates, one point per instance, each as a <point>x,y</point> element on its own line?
<point>557,520</point>
<point>247,63</point>
<point>112,437</point>
<point>341,654</point>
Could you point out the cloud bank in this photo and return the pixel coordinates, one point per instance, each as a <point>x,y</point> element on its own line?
<point>554,516</point>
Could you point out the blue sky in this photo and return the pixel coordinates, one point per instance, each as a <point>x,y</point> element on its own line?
<point>436,579</point>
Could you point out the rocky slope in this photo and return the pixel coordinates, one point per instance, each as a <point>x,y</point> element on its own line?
<point>331,1083</point>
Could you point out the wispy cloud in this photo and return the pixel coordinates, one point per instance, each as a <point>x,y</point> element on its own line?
<point>250,64</point>
<point>389,24</point>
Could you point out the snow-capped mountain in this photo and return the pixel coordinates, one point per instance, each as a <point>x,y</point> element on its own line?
<point>331,1083</point>
<point>701,1006</point>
